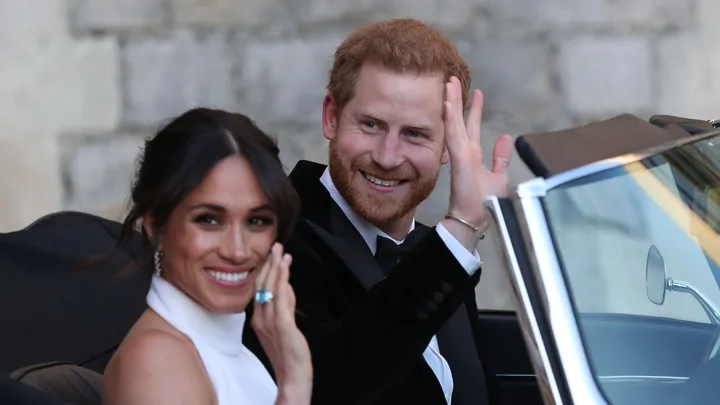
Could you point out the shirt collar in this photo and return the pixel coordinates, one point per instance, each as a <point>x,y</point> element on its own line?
<point>368,231</point>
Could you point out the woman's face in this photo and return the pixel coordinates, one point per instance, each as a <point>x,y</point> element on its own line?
<point>217,239</point>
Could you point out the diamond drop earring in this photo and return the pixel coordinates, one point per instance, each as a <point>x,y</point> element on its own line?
<point>158,265</point>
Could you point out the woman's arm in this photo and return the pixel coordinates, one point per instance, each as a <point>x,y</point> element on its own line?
<point>156,368</point>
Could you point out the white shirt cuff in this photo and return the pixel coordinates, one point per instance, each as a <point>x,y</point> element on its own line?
<point>469,261</point>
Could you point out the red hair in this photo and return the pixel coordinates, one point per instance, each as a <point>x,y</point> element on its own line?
<point>403,45</point>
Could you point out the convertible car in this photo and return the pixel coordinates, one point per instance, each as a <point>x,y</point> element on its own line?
<point>612,252</point>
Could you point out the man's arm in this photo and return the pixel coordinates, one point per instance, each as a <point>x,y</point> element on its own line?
<point>359,355</point>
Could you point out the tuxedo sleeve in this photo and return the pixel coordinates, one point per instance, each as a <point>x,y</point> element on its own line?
<point>469,261</point>
<point>360,353</point>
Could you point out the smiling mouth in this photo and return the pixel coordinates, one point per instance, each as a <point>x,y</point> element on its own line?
<point>380,182</point>
<point>229,278</point>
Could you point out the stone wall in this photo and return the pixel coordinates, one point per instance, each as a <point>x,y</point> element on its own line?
<point>82,82</point>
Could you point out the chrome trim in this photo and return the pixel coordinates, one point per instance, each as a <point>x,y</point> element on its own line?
<point>642,379</point>
<point>526,312</point>
<point>614,162</point>
<point>516,375</point>
<point>556,303</point>
<point>711,311</point>
<point>616,378</point>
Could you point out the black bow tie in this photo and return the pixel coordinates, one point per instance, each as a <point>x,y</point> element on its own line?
<point>388,252</point>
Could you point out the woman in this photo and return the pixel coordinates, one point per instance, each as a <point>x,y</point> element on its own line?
<point>214,202</point>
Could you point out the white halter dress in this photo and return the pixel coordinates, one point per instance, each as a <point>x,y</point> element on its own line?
<point>235,372</point>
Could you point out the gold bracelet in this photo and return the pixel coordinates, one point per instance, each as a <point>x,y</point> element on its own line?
<point>466,223</point>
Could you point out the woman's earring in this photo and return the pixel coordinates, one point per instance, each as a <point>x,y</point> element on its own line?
<point>158,265</point>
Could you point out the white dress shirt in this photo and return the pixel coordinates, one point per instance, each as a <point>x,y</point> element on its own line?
<point>369,232</point>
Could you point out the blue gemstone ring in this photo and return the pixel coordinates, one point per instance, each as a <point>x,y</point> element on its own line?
<point>263,296</point>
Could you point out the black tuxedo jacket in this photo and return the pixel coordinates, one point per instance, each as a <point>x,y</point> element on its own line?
<point>367,333</point>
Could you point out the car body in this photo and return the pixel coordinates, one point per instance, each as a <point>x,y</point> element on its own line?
<point>614,267</point>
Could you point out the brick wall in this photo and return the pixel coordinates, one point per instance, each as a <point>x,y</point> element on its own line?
<point>83,81</point>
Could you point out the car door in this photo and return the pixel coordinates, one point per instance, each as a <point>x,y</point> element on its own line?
<point>580,247</point>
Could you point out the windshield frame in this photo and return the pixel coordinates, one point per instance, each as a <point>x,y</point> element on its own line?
<point>554,303</point>
<point>607,164</point>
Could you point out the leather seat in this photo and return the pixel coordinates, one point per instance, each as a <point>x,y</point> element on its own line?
<point>14,392</point>
<point>66,382</point>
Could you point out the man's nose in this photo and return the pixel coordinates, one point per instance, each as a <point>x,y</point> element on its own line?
<point>386,153</point>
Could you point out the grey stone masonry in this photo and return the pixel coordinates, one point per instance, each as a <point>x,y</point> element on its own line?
<point>83,82</point>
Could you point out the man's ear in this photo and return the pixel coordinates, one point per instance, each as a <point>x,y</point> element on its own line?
<point>445,157</point>
<point>330,116</point>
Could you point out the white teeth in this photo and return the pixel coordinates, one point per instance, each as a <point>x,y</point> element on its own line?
<point>228,277</point>
<point>379,182</point>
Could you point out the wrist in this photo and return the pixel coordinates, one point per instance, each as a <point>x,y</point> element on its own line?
<point>295,393</point>
<point>464,234</point>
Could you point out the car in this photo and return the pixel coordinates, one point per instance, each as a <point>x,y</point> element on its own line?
<point>614,267</point>
<point>611,251</point>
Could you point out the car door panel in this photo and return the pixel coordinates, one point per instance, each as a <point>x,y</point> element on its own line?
<point>627,345</point>
<point>510,375</point>
<point>644,359</point>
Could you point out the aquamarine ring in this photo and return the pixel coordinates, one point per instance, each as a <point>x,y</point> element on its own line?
<point>263,296</point>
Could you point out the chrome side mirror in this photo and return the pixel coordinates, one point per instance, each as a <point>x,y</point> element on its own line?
<point>657,283</point>
<point>655,276</point>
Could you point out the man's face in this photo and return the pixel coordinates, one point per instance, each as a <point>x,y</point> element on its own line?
<point>387,143</point>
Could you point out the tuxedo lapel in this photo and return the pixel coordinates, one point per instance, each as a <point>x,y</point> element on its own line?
<point>360,262</point>
<point>327,221</point>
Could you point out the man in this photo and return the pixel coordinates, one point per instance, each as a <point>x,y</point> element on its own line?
<point>383,331</point>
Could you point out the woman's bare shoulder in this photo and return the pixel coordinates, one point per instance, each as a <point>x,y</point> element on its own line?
<point>155,365</point>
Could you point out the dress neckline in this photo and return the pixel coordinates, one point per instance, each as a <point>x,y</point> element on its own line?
<point>224,332</point>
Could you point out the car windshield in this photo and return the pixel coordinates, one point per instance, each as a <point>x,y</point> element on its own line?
<point>639,249</point>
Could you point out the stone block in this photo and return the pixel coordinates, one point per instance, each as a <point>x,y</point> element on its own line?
<point>655,15</point>
<point>110,15</point>
<point>98,173</point>
<point>166,76</point>
<point>516,80</point>
<point>285,81</point>
<point>318,11</point>
<point>533,16</point>
<point>707,12</point>
<point>689,84</point>
<point>30,179</point>
<point>63,86</point>
<point>249,13</point>
<point>603,76</point>
<point>31,23</point>
<point>451,14</point>
<point>295,145</point>
<point>446,15</point>
<point>89,97</point>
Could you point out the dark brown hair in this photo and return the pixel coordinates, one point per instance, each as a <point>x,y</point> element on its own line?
<point>177,159</point>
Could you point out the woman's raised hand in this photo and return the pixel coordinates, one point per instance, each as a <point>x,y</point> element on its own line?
<point>274,322</point>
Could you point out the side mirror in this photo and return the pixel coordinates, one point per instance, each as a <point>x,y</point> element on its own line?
<point>657,284</point>
<point>655,276</point>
